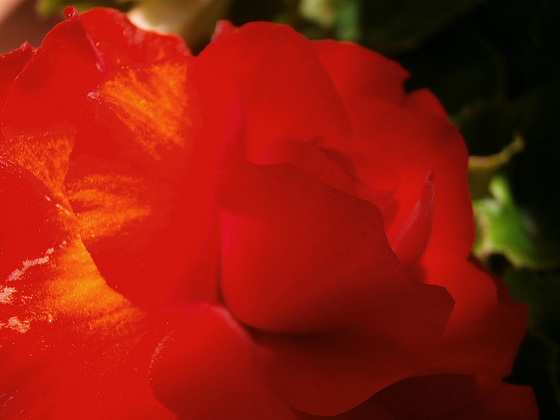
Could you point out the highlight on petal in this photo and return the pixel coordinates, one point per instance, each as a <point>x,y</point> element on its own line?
<point>70,347</point>
<point>139,182</point>
<point>281,178</point>
<point>207,369</point>
<point>43,104</point>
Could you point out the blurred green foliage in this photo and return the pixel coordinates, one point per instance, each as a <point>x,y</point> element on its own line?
<point>495,65</point>
<point>503,229</point>
<point>55,7</point>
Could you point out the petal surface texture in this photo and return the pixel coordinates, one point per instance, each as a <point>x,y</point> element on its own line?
<point>267,70</point>
<point>140,173</point>
<point>271,229</point>
<point>304,259</point>
<point>207,369</point>
<point>70,346</point>
<point>408,133</point>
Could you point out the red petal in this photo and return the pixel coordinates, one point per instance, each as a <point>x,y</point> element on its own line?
<point>483,334</point>
<point>413,141</point>
<point>357,71</point>
<point>120,43</point>
<point>458,397</point>
<point>425,101</point>
<point>331,373</point>
<point>509,402</point>
<point>45,100</point>
<point>273,74</point>
<point>207,369</point>
<point>366,411</point>
<point>139,183</point>
<point>223,28</point>
<point>414,144</point>
<point>11,65</point>
<point>412,239</point>
<point>301,257</point>
<point>70,347</point>
<point>316,161</point>
<point>435,395</point>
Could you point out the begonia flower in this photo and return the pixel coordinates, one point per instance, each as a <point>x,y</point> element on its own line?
<point>271,229</point>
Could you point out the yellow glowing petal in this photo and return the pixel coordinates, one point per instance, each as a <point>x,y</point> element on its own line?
<point>44,154</point>
<point>111,200</point>
<point>153,104</point>
<point>68,286</point>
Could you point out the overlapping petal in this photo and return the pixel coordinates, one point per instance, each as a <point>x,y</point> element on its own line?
<point>141,189</point>
<point>44,101</point>
<point>409,134</point>
<point>211,355</point>
<point>303,223</point>
<point>483,333</point>
<point>11,65</point>
<point>70,346</point>
<point>304,259</point>
<point>268,69</point>
<point>449,397</point>
<point>119,43</point>
<point>299,256</point>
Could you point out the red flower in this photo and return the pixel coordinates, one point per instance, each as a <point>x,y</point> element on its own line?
<point>272,229</point>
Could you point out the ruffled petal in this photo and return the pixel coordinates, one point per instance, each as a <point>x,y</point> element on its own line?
<point>436,395</point>
<point>139,182</point>
<point>44,102</point>
<point>302,258</point>
<point>11,65</point>
<point>357,71</point>
<point>119,43</point>
<point>366,411</point>
<point>483,334</point>
<point>414,144</point>
<point>70,347</point>
<point>408,133</point>
<point>268,69</point>
<point>413,237</point>
<point>207,369</point>
<point>425,101</point>
<point>452,397</point>
<point>299,256</point>
<point>508,402</point>
<point>320,163</point>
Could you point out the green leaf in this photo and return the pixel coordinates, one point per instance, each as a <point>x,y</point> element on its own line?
<point>504,229</point>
